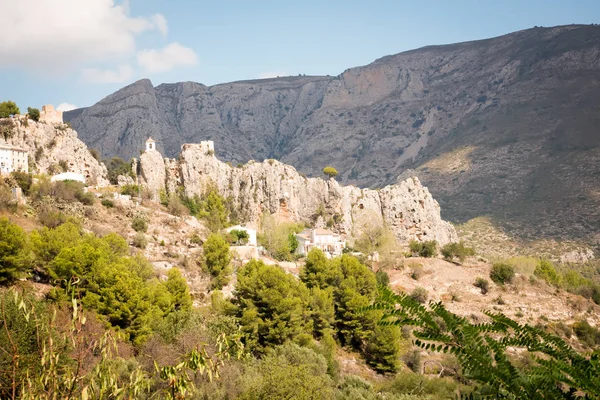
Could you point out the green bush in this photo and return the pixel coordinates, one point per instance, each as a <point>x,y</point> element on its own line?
<point>33,113</point>
<point>423,249</point>
<point>139,224</point>
<point>130,190</point>
<point>12,245</point>
<point>502,273</point>
<point>8,108</point>
<point>587,334</point>
<point>330,172</point>
<point>24,181</point>
<point>239,237</point>
<point>140,241</point>
<point>420,295</point>
<point>545,270</point>
<point>117,166</point>
<point>457,250</point>
<point>107,203</point>
<point>216,260</point>
<point>482,284</point>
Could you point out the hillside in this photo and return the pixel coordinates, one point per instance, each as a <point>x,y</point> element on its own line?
<point>505,127</point>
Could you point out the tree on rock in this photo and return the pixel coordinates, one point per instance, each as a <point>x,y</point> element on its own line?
<point>8,108</point>
<point>34,113</point>
<point>330,172</point>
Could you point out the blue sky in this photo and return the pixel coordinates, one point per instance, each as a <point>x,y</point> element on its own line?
<point>75,52</point>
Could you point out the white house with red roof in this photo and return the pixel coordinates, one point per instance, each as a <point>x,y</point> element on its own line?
<point>327,241</point>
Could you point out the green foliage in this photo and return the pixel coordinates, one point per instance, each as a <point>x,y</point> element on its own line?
<point>288,372</point>
<point>272,306</point>
<point>12,243</point>
<point>239,237</point>
<point>330,172</point>
<point>423,249</point>
<point>555,370</point>
<point>420,295</point>
<point>7,128</point>
<point>382,351</point>
<point>318,271</point>
<point>23,179</point>
<point>140,241</point>
<point>502,273</point>
<point>420,386</point>
<point>587,334</point>
<point>216,260</point>
<point>139,224</point>
<point>211,207</point>
<point>33,113</point>
<point>457,250</point>
<point>482,284</point>
<point>180,292</point>
<point>117,166</point>
<point>64,191</point>
<point>278,238</point>
<point>383,279</point>
<point>175,206</point>
<point>545,270</point>
<point>8,108</point>
<point>130,190</point>
<point>107,203</point>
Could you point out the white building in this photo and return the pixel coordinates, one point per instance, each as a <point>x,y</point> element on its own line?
<point>251,233</point>
<point>150,144</point>
<point>328,242</point>
<point>13,158</point>
<point>68,176</point>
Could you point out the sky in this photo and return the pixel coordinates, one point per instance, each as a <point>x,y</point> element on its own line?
<point>73,53</point>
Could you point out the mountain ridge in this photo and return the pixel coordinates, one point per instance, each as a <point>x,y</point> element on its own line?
<point>518,109</point>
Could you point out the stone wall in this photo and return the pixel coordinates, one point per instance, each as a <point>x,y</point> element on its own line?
<point>50,115</point>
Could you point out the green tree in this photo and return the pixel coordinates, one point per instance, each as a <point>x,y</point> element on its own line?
<point>318,271</point>
<point>546,271</point>
<point>330,172</point>
<point>34,113</point>
<point>502,273</point>
<point>179,289</point>
<point>23,179</point>
<point>12,242</point>
<point>272,306</point>
<point>383,348</point>
<point>555,370</point>
<point>357,288</point>
<point>423,249</point>
<point>8,108</point>
<point>216,260</point>
<point>278,238</point>
<point>456,250</point>
<point>322,310</point>
<point>117,166</point>
<point>214,210</point>
<point>239,236</point>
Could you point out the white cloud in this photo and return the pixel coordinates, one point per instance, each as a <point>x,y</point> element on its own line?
<point>94,75</point>
<point>160,22</point>
<point>167,58</point>
<point>66,107</point>
<point>267,75</point>
<point>58,35</point>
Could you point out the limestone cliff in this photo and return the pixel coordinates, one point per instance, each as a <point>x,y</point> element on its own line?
<point>275,188</point>
<point>49,144</point>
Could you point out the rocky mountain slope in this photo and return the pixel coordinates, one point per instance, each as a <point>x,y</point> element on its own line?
<point>505,127</point>
<point>270,187</point>
<point>51,144</point>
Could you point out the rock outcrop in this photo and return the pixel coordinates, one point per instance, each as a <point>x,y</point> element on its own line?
<point>254,189</point>
<point>50,145</point>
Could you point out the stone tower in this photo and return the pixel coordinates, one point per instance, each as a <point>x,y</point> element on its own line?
<point>150,145</point>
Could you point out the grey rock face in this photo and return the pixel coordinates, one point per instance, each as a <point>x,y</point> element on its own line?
<point>523,105</point>
<point>407,208</point>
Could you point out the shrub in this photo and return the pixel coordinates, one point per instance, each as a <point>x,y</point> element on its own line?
<point>482,284</point>
<point>457,250</point>
<point>107,203</point>
<point>8,108</point>
<point>502,273</point>
<point>95,153</point>
<point>139,224</point>
<point>117,166</point>
<point>239,237</point>
<point>546,271</point>
<point>176,207</point>
<point>423,249</point>
<point>12,243</point>
<point>419,294</point>
<point>23,179</point>
<point>34,113</point>
<point>330,172</point>
<point>51,217</point>
<point>383,279</point>
<point>140,241</point>
<point>130,190</point>
<point>587,334</point>
<point>416,271</point>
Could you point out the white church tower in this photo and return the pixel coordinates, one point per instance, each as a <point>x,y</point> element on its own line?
<point>150,145</point>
